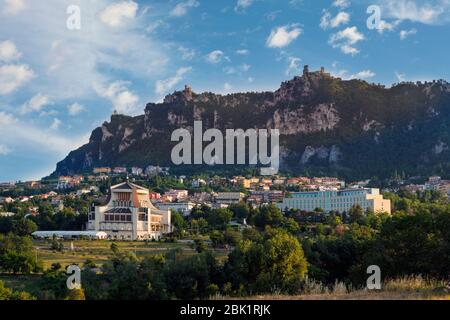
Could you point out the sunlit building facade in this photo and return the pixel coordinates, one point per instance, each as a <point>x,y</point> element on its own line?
<point>338,201</point>
<point>129,215</point>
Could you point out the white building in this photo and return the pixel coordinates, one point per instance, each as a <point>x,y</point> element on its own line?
<point>129,215</point>
<point>70,234</point>
<point>229,197</point>
<point>177,195</point>
<point>136,171</point>
<point>184,207</point>
<point>339,201</point>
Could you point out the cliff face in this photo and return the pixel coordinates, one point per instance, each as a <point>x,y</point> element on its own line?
<point>327,125</point>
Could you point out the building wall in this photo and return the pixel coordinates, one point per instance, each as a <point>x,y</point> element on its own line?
<point>147,222</point>
<point>340,201</point>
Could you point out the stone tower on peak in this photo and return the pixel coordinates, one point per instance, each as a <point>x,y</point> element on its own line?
<point>305,70</point>
<point>187,92</point>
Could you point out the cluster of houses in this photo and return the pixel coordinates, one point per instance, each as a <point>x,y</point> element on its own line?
<point>135,171</point>
<point>268,183</point>
<point>327,193</point>
<point>434,183</point>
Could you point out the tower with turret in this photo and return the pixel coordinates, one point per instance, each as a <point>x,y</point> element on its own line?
<point>305,70</point>
<point>187,92</point>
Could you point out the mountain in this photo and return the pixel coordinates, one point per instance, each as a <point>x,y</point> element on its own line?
<point>328,126</point>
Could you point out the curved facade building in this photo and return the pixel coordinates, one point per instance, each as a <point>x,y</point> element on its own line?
<point>129,215</point>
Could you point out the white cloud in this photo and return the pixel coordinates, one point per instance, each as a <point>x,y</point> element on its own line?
<point>40,140</point>
<point>215,56</point>
<point>90,55</point>
<point>235,70</point>
<point>243,4</point>
<point>406,33</point>
<point>346,39</point>
<point>123,100</point>
<point>14,6</point>
<point>389,26</point>
<point>4,150</point>
<point>426,13</point>
<point>75,109</point>
<point>344,74</point>
<point>55,124</point>
<point>186,54</point>
<point>242,52</point>
<point>6,119</point>
<point>296,3</point>
<point>35,104</point>
<point>229,70</point>
<point>163,86</point>
<point>400,77</point>
<point>118,14</point>
<point>245,67</point>
<point>283,36</point>
<point>341,4</point>
<point>182,8</point>
<point>366,74</point>
<point>294,66</point>
<point>13,77</point>
<point>327,21</point>
<point>8,51</point>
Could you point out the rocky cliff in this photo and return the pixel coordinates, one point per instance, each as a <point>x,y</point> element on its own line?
<point>328,126</point>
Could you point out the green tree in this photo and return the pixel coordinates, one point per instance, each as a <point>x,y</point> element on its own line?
<point>356,214</point>
<point>8,294</point>
<point>268,216</point>
<point>24,227</point>
<point>76,294</point>
<point>275,263</point>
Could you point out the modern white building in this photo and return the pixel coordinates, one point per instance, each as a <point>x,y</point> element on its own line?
<point>129,215</point>
<point>184,207</point>
<point>339,201</point>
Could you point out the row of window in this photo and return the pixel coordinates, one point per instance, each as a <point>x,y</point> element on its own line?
<point>118,217</point>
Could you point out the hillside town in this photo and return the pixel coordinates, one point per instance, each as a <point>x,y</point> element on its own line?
<point>287,193</point>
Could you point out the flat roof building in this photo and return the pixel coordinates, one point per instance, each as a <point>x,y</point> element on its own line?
<point>229,197</point>
<point>70,234</point>
<point>339,201</point>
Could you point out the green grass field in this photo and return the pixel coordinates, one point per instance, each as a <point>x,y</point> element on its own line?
<point>99,251</point>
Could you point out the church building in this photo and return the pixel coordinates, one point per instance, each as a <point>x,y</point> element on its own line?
<point>129,215</point>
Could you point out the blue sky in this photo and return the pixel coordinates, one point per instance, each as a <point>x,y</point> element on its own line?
<point>57,84</point>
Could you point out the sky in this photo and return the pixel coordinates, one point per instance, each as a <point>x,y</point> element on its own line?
<point>65,65</point>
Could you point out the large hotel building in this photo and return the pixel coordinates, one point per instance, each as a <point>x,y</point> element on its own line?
<point>129,215</point>
<point>339,201</point>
